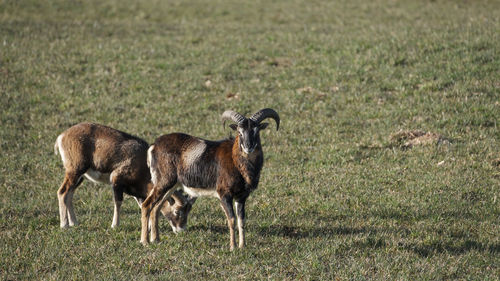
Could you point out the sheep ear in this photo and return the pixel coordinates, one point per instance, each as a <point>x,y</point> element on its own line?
<point>233,126</point>
<point>262,126</point>
<point>171,201</point>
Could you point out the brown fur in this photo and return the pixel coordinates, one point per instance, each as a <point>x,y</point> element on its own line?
<point>106,150</point>
<point>228,169</point>
<point>222,167</point>
<point>90,148</point>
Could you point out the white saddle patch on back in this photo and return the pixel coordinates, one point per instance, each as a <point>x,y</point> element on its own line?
<point>97,177</point>
<point>198,192</point>
<point>194,153</point>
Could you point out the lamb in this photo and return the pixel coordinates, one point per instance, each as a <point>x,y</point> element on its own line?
<point>228,170</point>
<point>105,155</point>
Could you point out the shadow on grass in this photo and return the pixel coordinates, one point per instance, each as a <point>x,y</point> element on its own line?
<point>210,228</point>
<point>299,233</point>
<point>373,239</point>
<point>291,231</point>
<point>457,248</point>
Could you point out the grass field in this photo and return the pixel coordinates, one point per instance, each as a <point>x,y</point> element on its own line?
<point>338,198</point>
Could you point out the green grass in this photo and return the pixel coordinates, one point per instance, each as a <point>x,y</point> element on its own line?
<point>337,200</point>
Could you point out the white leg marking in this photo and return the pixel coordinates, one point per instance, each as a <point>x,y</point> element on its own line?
<point>116,214</point>
<point>71,210</point>
<point>241,225</point>
<point>63,212</point>
<point>241,233</point>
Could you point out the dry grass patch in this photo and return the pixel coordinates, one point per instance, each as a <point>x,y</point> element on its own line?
<point>311,91</point>
<point>280,62</point>
<point>410,138</point>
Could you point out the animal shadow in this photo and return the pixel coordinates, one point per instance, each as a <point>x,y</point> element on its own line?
<point>457,248</point>
<point>218,229</point>
<point>295,232</point>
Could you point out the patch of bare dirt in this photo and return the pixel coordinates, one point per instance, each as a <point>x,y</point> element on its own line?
<point>311,91</point>
<point>232,96</point>
<point>411,138</point>
<point>280,62</point>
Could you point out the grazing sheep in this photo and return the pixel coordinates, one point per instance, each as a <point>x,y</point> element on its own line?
<point>105,155</point>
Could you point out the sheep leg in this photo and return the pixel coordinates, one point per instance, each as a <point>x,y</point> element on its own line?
<point>71,210</point>
<point>240,212</point>
<point>227,205</point>
<point>65,196</point>
<point>154,235</point>
<point>118,200</point>
<point>147,206</point>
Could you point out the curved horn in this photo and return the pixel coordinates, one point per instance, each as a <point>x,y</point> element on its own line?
<point>232,116</point>
<point>266,113</point>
